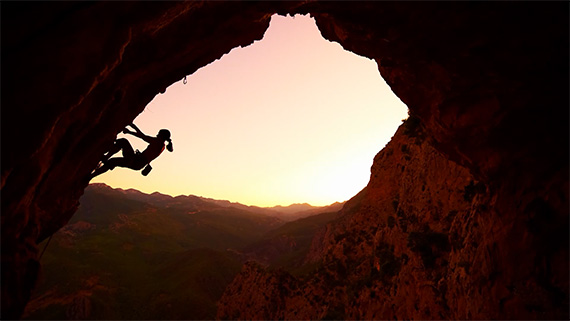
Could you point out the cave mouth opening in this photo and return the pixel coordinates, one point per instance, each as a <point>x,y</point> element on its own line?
<point>292,118</point>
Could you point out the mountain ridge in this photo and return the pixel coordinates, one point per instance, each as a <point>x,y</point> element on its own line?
<point>179,253</point>
<point>288,213</point>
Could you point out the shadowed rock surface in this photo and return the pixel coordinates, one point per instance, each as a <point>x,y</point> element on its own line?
<point>487,84</point>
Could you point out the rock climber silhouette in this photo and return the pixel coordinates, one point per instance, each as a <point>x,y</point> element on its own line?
<point>134,159</point>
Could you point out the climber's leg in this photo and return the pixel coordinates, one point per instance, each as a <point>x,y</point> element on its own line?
<point>119,144</point>
<point>111,164</point>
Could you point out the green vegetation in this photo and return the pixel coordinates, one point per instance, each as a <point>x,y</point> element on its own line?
<point>128,255</point>
<point>297,236</point>
<point>143,260</point>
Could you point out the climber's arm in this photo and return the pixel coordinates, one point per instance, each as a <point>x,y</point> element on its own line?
<point>138,133</point>
<point>135,128</point>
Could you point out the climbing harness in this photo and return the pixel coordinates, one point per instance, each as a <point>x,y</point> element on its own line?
<point>45,247</point>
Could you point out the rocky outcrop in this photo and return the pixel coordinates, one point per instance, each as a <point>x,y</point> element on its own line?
<point>423,241</point>
<point>489,82</point>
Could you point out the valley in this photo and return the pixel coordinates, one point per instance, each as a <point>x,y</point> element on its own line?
<point>130,255</point>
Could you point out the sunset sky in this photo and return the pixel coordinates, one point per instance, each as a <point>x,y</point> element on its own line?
<point>292,118</point>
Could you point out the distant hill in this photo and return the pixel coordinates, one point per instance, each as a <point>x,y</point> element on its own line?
<point>297,211</point>
<point>287,245</point>
<point>263,210</point>
<point>293,208</point>
<point>285,213</point>
<point>131,255</point>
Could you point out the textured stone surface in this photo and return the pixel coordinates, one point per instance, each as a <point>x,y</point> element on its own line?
<point>424,240</point>
<point>489,81</point>
<point>392,235</point>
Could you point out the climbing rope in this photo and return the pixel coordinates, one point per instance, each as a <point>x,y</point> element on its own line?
<point>45,247</point>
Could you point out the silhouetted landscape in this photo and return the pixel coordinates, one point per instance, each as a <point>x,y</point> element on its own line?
<point>465,215</point>
<point>130,255</point>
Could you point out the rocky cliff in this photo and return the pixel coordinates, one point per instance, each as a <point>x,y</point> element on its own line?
<point>424,240</point>
<point>487,81</point>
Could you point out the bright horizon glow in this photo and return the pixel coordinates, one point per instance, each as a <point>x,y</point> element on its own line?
<point>292,118</point>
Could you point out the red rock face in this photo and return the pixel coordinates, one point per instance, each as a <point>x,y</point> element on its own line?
<point>488,82</point>
<point>424,240</point>
<point>393,252</point>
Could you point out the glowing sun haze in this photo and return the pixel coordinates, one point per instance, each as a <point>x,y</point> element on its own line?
<point>292,118</point>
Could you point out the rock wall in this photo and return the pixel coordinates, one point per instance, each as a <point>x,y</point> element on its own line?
<point>488,81</point>
<point>75,73</point>
<point>424,240</point>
